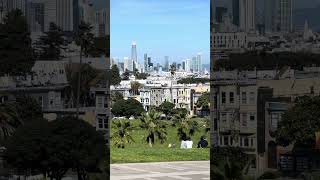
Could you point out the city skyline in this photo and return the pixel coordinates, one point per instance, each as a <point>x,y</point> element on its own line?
<point>176,29</point>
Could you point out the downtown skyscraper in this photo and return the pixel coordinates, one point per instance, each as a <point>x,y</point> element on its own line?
<point>134,56</point>
<point>278,15</point>
<point>247,15</point>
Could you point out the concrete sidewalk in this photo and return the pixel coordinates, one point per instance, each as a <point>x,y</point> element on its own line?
<point>185,170</point>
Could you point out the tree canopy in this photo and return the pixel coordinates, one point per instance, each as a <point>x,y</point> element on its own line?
<point>115,75</point>
<point>193,80</point>
<point>300,123</point>
<point>267,61</point>
<point>52,43</point>
<point>203,101</point>
<point>16,52</point>
<point>56,147</point>
<point>167,108</point>
<point>127,108</point>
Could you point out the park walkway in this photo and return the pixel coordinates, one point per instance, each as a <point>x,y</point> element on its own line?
<point>187,170</point>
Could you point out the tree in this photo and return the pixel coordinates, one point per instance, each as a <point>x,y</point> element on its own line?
<point>203,101</point>
<point>115,75</point>
<point>125,75</point>
<point>9,119</point>
<point>121,136</point>
<point>54,148</point>
<point>52,43</point>
<point>230,170</point>
<point>28,150</point>
<point>127,108</point>
<point>173,69</point>
<point>85,39</point>
<point>154,127</point>
<point>185,127</point>
<point>193,80</point>
<point>135,86</point>
<point>28,108</point>
<point>16,52</point>
<point>299,123</point>
<point>167,108</point>
<point>142,75</point>
<point>87,76</point>
<point>134,108</point>
<point>85,147</point>
<point>115,96</point>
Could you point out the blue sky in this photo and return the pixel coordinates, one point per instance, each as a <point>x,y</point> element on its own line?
<point>175,28</point>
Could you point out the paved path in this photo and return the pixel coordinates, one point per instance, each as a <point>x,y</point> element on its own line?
<point>187,170</point>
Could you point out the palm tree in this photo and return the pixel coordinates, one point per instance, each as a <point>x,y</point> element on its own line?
<point>186,127</point>
<point>85,39</point>
<point>121,136</point>
<point>226,170</point>
<point>135,86</point>
<point>9,119</point>
<point>173,70</point>
<point>152,123</point>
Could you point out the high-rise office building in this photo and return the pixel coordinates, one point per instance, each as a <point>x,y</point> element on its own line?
<point>166,63</point>
<point>247,15</point>
<point>134,57</point>
<point>235,12</point>
<point>278,15</point>
<point>128,64</point>
<point>199,62</point>
<point>221,12</point>
<point>285,13</point>
<point>146,64</point>
<point>188,65</point>
<point>64,14</point>
<point>35,16</point>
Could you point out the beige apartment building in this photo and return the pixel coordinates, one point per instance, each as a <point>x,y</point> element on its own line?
<point>247,107</point>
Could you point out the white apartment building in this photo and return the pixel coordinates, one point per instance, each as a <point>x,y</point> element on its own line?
<point>230,40</point>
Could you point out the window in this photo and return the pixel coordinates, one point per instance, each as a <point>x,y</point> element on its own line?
<point>241,143</point>
<point>226,140</point>
<point>252,117</point>
<point>252,97</point>
<point>246,142</point>
<point>99,102</point>
<point>244,119</point>
<point>224,117</point>
<point>100,123</point>
<point>231,97</point>
<point>223,97</point>
<point>251,142</point>
<point>40,99</point>
<point>244,97</point>
<point>221,140</point>
<point>275,118</point>
<point>106,121</point>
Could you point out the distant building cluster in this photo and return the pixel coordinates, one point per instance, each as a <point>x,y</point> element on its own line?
<point>67,14</point>
<point>131,64</point>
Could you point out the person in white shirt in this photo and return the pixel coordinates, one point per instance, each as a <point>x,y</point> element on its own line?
<point>186,144</point>
<point>189,143</point>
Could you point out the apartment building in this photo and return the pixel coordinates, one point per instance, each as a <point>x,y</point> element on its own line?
<point>247,107</point>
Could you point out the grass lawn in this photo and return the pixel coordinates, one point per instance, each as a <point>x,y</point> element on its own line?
<point>139,151</point>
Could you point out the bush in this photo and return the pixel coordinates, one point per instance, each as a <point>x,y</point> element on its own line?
<point>269,175</point>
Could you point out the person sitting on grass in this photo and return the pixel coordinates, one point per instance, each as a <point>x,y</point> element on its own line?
<point>203,143</point>
<point>189,143</point>
<point>186,143</point>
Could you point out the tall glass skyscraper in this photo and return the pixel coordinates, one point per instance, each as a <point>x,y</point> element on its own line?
<point>134,57</point>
